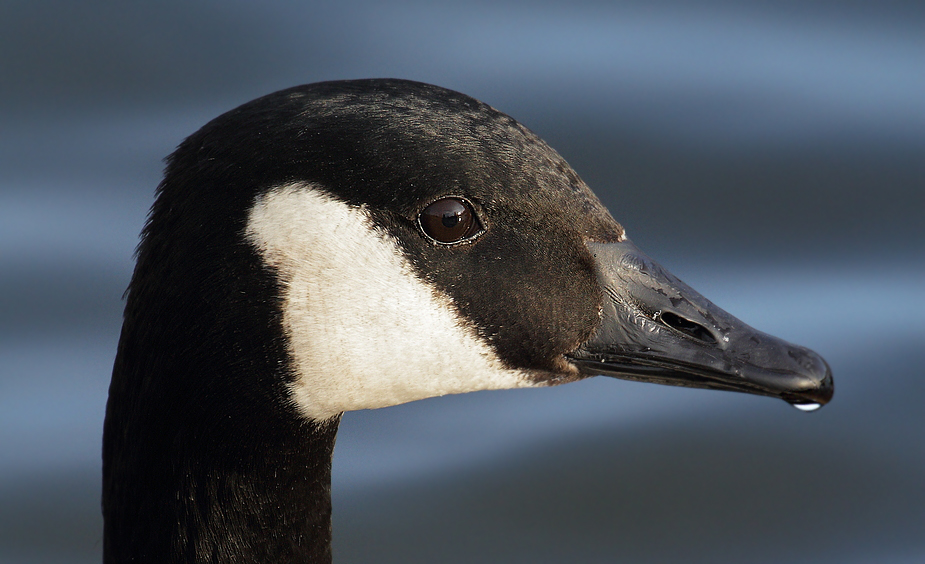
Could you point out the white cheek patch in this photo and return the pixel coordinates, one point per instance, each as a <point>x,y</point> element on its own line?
<point>364,331</point>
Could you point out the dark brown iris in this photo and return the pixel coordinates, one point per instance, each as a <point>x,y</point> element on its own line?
<point>449,220</point>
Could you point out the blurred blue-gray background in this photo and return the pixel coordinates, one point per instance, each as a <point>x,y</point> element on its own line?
<point>771,154</point>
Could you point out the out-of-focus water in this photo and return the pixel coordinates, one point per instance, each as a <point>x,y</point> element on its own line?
<point>769,155</point>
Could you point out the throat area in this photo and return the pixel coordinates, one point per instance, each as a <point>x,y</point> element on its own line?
<point>243,504</point>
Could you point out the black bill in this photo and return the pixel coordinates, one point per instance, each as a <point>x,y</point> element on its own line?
<point>658,329</point>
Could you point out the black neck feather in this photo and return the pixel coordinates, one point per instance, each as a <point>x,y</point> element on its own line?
<point>269,501</point>
<point>205,456</point>
<point>211,463</point>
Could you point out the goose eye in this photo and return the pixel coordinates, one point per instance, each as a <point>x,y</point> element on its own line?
<point>449,220</point>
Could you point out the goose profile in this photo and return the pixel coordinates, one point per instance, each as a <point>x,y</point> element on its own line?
<point>360,244</point>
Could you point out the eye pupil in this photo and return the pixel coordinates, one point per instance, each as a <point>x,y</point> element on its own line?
<point>449,220</point>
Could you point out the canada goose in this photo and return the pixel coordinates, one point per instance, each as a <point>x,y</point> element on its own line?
<point>359,244</point>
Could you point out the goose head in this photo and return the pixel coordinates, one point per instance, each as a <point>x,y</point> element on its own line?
<point>360,244</point>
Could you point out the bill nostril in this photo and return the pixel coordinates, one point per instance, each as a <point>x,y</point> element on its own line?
<point>688,327</point>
